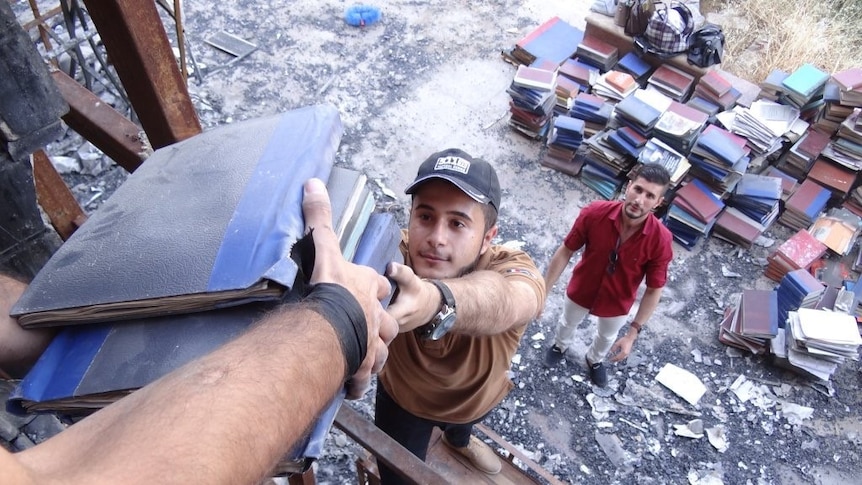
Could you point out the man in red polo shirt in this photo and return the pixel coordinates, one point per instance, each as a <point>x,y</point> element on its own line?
<point>623,243</point>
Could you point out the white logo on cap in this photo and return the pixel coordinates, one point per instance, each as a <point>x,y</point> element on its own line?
<point>456,164</point>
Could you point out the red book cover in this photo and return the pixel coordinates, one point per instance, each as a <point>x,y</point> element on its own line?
<point>801,249</point>
<point>738,224</point>
<point>672,78</point>
<point>620,81</point>
<point>599,46</point>
<point>813,142</point>
<point>715,83</point>
<point>688,112</point>
<point>832,175</point>
<point>697,202</point>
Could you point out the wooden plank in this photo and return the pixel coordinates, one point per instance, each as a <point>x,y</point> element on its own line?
<point>55,197</point>
<point>102,125</point>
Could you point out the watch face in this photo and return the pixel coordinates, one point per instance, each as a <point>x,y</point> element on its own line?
<point>445,324</point>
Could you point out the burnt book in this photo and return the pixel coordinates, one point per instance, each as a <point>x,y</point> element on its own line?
<point>239,231</point>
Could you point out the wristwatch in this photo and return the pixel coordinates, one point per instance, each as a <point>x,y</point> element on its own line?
<point>444,319</point>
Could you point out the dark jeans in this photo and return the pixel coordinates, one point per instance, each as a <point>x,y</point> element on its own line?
<point>412,432</point>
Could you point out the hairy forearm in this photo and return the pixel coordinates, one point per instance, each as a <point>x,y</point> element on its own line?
<point>489,304</point>
<point>223,425</point>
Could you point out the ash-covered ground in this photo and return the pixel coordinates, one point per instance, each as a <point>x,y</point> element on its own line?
<point>429,75</point>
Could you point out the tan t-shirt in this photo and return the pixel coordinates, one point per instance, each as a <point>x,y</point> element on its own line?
<point>459,378</point>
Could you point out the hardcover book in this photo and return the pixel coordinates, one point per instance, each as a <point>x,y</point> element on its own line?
<point>203,224</point>
<point>555,40</point>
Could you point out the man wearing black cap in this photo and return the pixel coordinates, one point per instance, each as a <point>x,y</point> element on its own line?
<point>462,306</point>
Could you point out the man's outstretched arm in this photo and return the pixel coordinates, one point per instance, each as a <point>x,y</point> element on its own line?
<point>231,415</point>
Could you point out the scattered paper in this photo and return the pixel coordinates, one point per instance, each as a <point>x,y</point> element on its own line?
<point>796,413</point>
<point>682,382</point>
<point>537,336</point>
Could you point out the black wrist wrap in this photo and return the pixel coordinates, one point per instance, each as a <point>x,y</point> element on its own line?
<point>344,313</point>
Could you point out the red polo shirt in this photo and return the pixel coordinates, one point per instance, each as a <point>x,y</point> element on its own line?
<point>645,254</point>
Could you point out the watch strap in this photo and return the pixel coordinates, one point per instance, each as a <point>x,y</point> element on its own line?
<point>445,292</point>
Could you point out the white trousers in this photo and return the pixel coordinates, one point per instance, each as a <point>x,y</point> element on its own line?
<point>606,331</point>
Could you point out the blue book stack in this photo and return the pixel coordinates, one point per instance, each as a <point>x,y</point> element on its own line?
<point>595,112</point>
<point>692,213</point>
<point>757,196</point>
<point>567,133</point>
<point>804,85</point>
<point>797,289</point>
<point>601,179</point>
<point>634,65</point>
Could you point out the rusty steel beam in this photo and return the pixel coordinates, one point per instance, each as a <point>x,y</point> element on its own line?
<point>55,198</point>
<point>138,47</point>
<point>387,451</point>
<point>102,125</point>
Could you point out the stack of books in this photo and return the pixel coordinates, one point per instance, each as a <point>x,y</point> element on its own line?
<point>846,147</point>
<point>818,341</point>
<point>833,111</point>
<point>713,93</point>
<point>799,158</point>
<point>788,183</point>
<point>595,112</point>
<point>627,140</point>
<point>566,136</point>
<point>554,40</point>
<point>672,82</point>
<point>692,213</point>
<point>602,153</point>
<point>598,53</point>
<point>719,158</point>
<point>799,251</point>
<point>797,289</point>
<point>772,88</point>
<point>804,205</point>
<point>758,197</point>
<point>679,126</point>
<point>615,85</point>
<point>656,151</point>
<point>641,110</point>
<point>601,180</point>
<point>837,229</point>
<point>849,82</point>
<point>636,66</point>
<point>737,228</point>
<point>764,124</point>
<point>582,73</point>
<point>566,91</point>
<point>804,86</point>
<point>752,323</point>
<point>533,101</point>
<point>854,201</point>
<point>834,176</point>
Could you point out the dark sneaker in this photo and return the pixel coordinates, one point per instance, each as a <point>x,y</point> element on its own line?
<point>553,356</point>
<point>598,373</point>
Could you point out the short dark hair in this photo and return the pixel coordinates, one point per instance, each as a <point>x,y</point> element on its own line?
<point>654,173</point>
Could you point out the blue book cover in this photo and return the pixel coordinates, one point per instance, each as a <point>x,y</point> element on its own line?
<point>805,80</point>
<point>634,65</point>
<point>239,232</point>
<point>555,40</point>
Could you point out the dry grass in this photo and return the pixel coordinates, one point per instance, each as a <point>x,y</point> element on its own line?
<point>784,34</point>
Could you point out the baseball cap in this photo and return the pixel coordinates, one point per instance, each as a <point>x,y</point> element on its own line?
<point>474,176</point>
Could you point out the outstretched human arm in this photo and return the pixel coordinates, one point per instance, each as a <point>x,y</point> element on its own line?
<point>556,265</point>
<point>230,416</point>
<point>623,346</point>
<point>487,302</point>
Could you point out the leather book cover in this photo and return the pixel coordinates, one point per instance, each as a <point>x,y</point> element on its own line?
<point>596,45</point>
<point>555,39</point>
<point>705,206</point>
<point>535,78</point>
<point>813,142</point>
<point>634,65</point>
<point>832,176</point>
<point>632,137</point>
<point>849,79</point>
<point>715,83</point>
<point>740,228</point>
<point>621,81</point>
<point>670,77</point>
<point>720,146</point>
<point>638,111</point>
<point>568,87</point>
<point>580,72</point>
<point>759,313</point>
<point>809,199</point>
<point>203,224</point>
<point>759,186</point>
<point>805,80</point>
